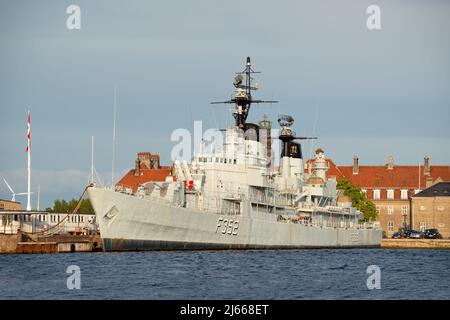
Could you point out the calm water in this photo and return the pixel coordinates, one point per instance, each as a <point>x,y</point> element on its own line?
<point>299,274</point>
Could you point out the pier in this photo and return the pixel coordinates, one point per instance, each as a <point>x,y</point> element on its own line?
<point>415,243</point>
<point>65,243</point>
<point>48,232</point>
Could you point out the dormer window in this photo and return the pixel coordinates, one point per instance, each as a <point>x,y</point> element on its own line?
<point>390,194</point>
<point>404,194</point>
<point>376,193</point>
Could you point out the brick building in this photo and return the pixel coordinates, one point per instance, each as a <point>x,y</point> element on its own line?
<point>147,168</point>
<point>9,205</point>
<point>431,209</point>
<point>391,186</point>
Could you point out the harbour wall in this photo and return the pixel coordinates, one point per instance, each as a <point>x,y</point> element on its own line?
<point>415,243</point>
<point>8,242</point>
<point>21,243</point>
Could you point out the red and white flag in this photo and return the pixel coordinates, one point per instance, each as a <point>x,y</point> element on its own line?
<point>28,133</point>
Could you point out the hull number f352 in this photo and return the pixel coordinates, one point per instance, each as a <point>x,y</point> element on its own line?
<point>227,226</point>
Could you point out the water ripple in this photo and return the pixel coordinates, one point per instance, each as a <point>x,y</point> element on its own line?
<point>290,274</point>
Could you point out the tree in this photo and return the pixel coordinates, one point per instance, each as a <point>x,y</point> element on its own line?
<point>359,199</point>
<point>64,206</point>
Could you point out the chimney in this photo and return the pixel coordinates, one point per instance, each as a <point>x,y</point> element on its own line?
<point>137,168</point>
<point>428,182</point>
<point>355,165</point>
<point>426,165</point>
<point>390,164</point>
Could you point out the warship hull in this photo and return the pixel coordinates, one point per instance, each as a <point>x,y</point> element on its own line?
<point>129,223</point>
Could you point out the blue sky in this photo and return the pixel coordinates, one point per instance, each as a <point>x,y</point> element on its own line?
<point>373,93</point>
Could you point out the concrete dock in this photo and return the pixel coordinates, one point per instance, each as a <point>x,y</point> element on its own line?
<point>21,243</point>
<point>416,243</point>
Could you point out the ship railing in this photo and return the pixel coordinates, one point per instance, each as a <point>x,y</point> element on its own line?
<point>370,225</point>
<point>336,209</point>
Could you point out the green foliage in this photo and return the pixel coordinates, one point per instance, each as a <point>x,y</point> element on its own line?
<point>64,206</point>
<point>359,199</point>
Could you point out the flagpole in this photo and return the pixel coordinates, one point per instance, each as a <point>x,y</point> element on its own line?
<point>114,138</point>
<point>29,163</point>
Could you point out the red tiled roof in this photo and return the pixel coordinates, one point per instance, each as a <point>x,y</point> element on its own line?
<point>380,177</point>
<point>406,177</point>
<point>147,175</point>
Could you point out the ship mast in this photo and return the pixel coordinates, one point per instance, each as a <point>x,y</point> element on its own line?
<point>243,95</point>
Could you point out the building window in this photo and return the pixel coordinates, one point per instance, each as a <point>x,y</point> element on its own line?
<point>404,194</point>
<point>390,226</point>
<point>390,194</point>
<point>404,210</point>
<point>376,193</point>
<point>423,226</point>
<point>390,210</point>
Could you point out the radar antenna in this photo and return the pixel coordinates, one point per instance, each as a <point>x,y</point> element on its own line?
<point>243,95</point>
<point>287,137</point>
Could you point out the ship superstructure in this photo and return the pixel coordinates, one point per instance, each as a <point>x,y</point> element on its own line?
<point>235,197</point>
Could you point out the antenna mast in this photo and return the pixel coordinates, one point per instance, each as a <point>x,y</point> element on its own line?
<point>243,95</point>
<point>38,198</point>
<point>114,138</point>
<point>91,180</point>
<point>29,162</point>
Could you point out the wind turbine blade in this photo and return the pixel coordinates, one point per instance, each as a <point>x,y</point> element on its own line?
<point>7,184</point>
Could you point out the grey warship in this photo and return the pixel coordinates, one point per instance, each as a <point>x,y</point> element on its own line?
<point>234,197</point>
